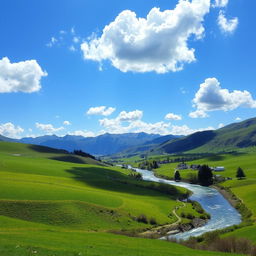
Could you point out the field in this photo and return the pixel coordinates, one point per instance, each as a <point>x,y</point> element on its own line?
<point>53,203</point>
<point>244,189</point>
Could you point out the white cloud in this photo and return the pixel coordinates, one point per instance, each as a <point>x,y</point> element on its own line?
<point>10,130</point>
<point>116,126</point>
<point>171,116</point>
<point>52,42</point>
<point>48,128</point>
<point>238,119</point>
<point>185,130</point>
<point>66,123</point>
<point>24,76</point>
<point>227,26</point>
<point>83,133</point>
<point>130,116</point>
<point>221,125</point>
<point>211,97</point>
<point>220,3</point>
<point>76,39</point>
<point>198,114</point>
<point>163,128</point>
<point>101,110</point>
<point>157,43</point>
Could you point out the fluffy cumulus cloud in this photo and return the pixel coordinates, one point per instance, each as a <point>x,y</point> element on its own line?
<point>225,25</point>
<point>10,130</point>
<point>185,130</point>
<point>83,133</point>
<point>102,110</point>
<point>130,116</point>
<point>48,128</point>
<point>120,125</point>
<point>24,76</point>
<point>220,3</point>
<point>171,116</point>
<point>157,43</point>
<point>211,97</point>
<point>198,114</point>
<point>116,126</point>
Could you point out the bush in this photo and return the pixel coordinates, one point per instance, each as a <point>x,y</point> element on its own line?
<point>190,216</point>
<point>152,221</point>
<point>142,218</point>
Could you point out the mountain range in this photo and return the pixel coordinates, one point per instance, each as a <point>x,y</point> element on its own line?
<point>105,144</point>
<point>228,138</point>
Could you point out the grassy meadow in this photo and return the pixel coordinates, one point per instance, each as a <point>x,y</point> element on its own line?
<point>54,203</point>
<point>244,189</point>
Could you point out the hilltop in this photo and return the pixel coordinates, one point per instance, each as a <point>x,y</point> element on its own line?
<point>231,137</point>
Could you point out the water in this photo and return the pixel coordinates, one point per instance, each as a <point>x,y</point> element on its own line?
<point>222,213</point>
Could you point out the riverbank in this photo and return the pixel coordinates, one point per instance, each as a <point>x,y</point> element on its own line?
<point>211,201</point>
<point>174,228</point>
<point>236,203</point>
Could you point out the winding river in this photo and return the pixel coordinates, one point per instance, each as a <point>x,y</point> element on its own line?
<point>222,213</point>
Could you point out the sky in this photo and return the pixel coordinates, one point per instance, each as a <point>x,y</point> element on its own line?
<point>157,66</point>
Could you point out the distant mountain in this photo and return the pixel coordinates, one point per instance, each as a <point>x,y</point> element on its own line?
<point>3,138</point>
<point>230,137</point>
<point>147,146</point>
<point>105,144</point>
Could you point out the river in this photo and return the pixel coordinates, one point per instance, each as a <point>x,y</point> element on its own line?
<point>222,213</point>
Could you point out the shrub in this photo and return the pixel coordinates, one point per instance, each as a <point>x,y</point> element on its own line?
<point>152,221</point>
<point>142,218</point>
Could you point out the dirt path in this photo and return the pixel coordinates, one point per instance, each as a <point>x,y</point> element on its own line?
<point>176,215</point>
<point>162,230</point>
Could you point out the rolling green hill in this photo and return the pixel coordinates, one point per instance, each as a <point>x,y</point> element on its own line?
<point>54,203</point>
<point>228,138</point>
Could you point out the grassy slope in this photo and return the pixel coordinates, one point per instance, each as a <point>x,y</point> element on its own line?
<point>229,138</point>
<point>52,206</point>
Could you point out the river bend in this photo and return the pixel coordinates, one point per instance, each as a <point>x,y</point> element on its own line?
<point>222,213</point>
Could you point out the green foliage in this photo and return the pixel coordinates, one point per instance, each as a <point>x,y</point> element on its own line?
<point>240,173</point>
<point>205,175</point>
<point>148,165</point>
<point>177,176</point>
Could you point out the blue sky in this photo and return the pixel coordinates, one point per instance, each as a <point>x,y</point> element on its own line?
<point>89,67</point>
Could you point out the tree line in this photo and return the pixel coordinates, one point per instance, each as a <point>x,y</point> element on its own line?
<point>205,176</point>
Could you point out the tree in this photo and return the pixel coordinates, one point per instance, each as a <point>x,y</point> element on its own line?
<point>177,176</point>
<point>205,175</point>
<point>155,165</point>
<point>240,173</point>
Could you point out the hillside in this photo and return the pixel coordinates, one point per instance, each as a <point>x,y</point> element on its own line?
<point>50,205</point>
<point>144,147</point>
<point>101,145</point>
<point>232,137</point>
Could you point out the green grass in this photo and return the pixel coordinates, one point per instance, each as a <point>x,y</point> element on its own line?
<point>84,244</point>
<point>55,207</point>
<point>243,189</point>
<point>246,160</point>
